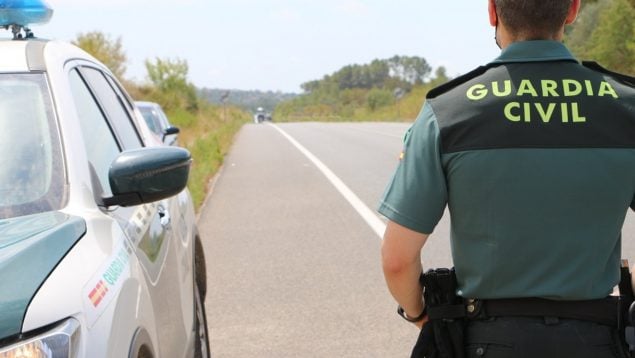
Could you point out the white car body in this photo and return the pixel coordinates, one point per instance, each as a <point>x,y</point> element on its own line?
<point>129,281</point>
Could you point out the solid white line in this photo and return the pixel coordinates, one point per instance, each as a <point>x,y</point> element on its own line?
<point>368,215</point>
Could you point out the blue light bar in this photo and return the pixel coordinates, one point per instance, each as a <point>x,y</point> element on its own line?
<point>24,12</point>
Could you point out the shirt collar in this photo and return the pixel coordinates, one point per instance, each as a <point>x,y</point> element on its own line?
<point>535,51</point>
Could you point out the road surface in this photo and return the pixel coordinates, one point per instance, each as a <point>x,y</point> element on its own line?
<point>293,264</point>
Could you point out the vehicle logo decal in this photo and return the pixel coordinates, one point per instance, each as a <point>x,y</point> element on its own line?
<point>107,283</point>
<point>98,293</point>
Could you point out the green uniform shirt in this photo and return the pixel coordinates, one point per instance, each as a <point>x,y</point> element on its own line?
<point>534,155</point>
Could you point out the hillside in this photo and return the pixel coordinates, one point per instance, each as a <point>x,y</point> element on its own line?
<point>247,100</point>
<point>391,89</point>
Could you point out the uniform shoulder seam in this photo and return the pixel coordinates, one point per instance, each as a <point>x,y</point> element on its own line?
<point>625,79</point>
<point>437,91</point>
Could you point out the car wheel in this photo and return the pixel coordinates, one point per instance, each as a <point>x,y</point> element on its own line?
<point>141,345</point>
<point>201,347</point>
<point>200,267</point>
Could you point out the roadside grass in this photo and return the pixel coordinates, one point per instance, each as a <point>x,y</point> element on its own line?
<point>208,135</point>
<point>405,109</point>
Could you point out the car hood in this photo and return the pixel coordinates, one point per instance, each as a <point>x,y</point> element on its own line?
<point>30,248</point>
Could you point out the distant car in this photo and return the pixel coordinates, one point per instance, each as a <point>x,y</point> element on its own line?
<point>261,116</point>
<point>99,251</point>
<point>158,122</point>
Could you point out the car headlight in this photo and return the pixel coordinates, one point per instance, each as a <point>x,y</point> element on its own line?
<point>60,342</point>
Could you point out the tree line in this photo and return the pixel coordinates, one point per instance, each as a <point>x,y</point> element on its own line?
<point>396,72</point>
<point>358,91</point>
<point>394,88</point>
<point>245,99</point>
<point>605,32</point>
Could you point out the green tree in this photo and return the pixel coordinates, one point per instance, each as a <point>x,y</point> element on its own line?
<point>169,78</point>
<point>167,75</point>
<point>613,41</point>
<point>310,86</point>
<point>413,70</point>
<point>378,98</point>
<point>105,49</point>
<point>605,32</point>
<point>363,91</point>
<point>440,77</point>
<point>578,35</point>
<point>378,73</point>
<point>398,71</point>
<point>367,76</point>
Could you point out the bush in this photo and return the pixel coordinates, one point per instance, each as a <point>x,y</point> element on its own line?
<point>378,98</point>
<point>207,134</point>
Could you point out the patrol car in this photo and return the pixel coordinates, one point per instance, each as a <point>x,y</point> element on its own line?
<point>158,122</point>
<point>99,252</point>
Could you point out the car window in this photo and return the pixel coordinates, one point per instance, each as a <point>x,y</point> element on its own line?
<point>114,105</point>
<point>31,167</point>
<point>125,98</point>
<point>150,117</point>
<point>101,146</point>
<point>163,118</point>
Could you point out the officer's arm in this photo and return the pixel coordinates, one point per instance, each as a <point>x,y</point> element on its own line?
<point>401,261</point>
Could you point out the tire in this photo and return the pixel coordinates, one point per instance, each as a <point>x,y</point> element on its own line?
<point>201,345</point>
<point>141,345</point>
<point>200,267</point>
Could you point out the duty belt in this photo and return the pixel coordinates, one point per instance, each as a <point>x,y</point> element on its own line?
<point>603,311</point>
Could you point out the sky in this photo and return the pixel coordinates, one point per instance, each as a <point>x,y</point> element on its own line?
<point>279,44</point>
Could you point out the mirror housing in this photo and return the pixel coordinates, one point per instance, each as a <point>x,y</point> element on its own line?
<point>146,175</point>
<point>171,130</point>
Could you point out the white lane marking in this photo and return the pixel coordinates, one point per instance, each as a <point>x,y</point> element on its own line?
<point>368,215</point>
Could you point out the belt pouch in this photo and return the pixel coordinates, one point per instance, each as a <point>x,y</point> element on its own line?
<point>443,335</point>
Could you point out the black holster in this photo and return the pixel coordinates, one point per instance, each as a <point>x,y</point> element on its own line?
<point>442,336</point>
<point>626,318</point>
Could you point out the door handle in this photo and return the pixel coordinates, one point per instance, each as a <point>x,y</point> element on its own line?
<point>164,216</point>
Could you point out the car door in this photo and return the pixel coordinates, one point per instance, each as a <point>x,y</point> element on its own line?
<point>149,227</point>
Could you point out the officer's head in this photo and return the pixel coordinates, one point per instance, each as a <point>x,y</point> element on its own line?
<point>533,19</point>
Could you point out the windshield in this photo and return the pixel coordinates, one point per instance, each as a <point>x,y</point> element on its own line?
<point>152,119</point>
<point>31,171</point>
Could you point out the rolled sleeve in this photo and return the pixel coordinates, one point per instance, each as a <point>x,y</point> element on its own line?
<point>417,194</point>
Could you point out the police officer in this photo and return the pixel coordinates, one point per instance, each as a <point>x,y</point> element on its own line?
<point>534,154</point>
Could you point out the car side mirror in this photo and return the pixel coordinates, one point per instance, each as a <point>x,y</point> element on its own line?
<point>171,130</point>
<point>146,175</point>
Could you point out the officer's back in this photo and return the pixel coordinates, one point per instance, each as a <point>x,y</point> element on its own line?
<point>534,154</point>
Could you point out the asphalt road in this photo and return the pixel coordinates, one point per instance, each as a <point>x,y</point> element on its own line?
<point>293,269</point>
